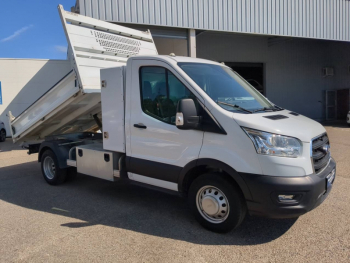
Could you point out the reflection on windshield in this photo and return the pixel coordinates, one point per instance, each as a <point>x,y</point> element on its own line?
<point>222,84</point>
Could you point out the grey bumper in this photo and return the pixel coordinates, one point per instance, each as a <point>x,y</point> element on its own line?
<point>310,192</point>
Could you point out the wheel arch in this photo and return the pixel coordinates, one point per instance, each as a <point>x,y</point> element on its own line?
<point>62,153</point>
<point>41,151</point>
<point>197,167</point>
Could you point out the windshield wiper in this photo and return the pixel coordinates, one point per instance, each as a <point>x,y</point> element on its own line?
<point>278,107</point>
<point>234,106</point>
<point>275,108</point>
<point>264,109</point>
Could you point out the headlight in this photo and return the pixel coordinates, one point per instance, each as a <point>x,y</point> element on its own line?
<point>274,144</point>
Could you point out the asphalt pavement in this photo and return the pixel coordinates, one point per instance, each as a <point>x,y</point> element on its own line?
<point>91,220</point>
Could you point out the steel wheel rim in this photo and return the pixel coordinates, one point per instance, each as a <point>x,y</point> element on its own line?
<point>212,204</point>
<point>49,168</point>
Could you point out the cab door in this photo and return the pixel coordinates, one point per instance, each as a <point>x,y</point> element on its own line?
<point>158,150</point>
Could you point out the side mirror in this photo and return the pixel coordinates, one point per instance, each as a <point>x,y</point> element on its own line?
<point>186,116</point>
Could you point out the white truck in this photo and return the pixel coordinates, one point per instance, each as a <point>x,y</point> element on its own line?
<point>182,124</point>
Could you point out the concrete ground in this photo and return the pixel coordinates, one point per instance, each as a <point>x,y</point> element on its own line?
<point>91,220</point>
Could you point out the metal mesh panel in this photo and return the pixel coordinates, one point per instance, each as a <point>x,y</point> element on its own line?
<point>116,44</point>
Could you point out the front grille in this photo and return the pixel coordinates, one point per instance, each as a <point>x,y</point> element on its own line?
<point>320,152</point>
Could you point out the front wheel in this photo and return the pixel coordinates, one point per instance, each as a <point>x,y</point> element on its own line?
<point>50,169</point>
<point>216,203</point>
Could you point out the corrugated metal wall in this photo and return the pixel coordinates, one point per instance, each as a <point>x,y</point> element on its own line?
<point>322,19</point>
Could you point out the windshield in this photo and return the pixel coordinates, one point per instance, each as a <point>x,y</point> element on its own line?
<point>226,87</point>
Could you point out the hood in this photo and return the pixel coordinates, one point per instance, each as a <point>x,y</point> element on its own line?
<point>299,126</point>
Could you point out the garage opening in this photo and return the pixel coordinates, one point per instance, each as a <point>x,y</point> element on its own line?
<point>342,104</point>
<point>337,104</point>
<point>252,72</point>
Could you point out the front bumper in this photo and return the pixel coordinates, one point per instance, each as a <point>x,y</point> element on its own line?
<point>310,192</point>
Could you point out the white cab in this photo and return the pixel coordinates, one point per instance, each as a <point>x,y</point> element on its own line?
<point>159,141</point>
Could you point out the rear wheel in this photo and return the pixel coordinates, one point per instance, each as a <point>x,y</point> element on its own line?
<point>50,169</point>
<point>216,203</point>
<point>2,135</point>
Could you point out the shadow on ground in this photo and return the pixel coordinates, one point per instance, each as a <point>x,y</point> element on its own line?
<point>8,146</point>
<point>122,205</point>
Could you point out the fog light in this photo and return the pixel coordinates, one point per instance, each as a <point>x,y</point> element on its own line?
<point>286,198</point>
<point>331,177</point>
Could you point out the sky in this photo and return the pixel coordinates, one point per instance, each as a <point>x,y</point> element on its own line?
<point>32,29</point>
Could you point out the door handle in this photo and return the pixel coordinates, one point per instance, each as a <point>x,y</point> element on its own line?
<point>140,126</point>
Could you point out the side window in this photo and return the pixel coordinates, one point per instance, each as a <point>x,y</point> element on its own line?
<point>160,93</point>
<point>177,90</point>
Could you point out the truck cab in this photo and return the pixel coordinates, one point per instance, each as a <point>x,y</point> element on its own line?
<point>195,126</point>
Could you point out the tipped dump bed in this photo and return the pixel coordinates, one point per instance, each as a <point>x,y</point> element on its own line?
<point>71,104</point>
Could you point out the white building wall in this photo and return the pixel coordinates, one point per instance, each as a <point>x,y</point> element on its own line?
<point>293,67</point>
<point>23,81</point>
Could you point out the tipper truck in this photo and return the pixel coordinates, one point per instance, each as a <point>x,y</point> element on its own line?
<point>180,124</point>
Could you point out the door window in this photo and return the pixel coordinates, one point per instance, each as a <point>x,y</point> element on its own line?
<point>160,93</point>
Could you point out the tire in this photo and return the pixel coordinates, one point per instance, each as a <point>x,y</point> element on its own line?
<point>2,135</point>
<point>50,169</point>
<point>224,206</point>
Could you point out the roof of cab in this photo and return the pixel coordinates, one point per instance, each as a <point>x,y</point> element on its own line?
<point>177,59</point>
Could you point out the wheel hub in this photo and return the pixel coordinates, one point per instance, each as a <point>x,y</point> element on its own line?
<point>49,168</point>
<point>212,204</point>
